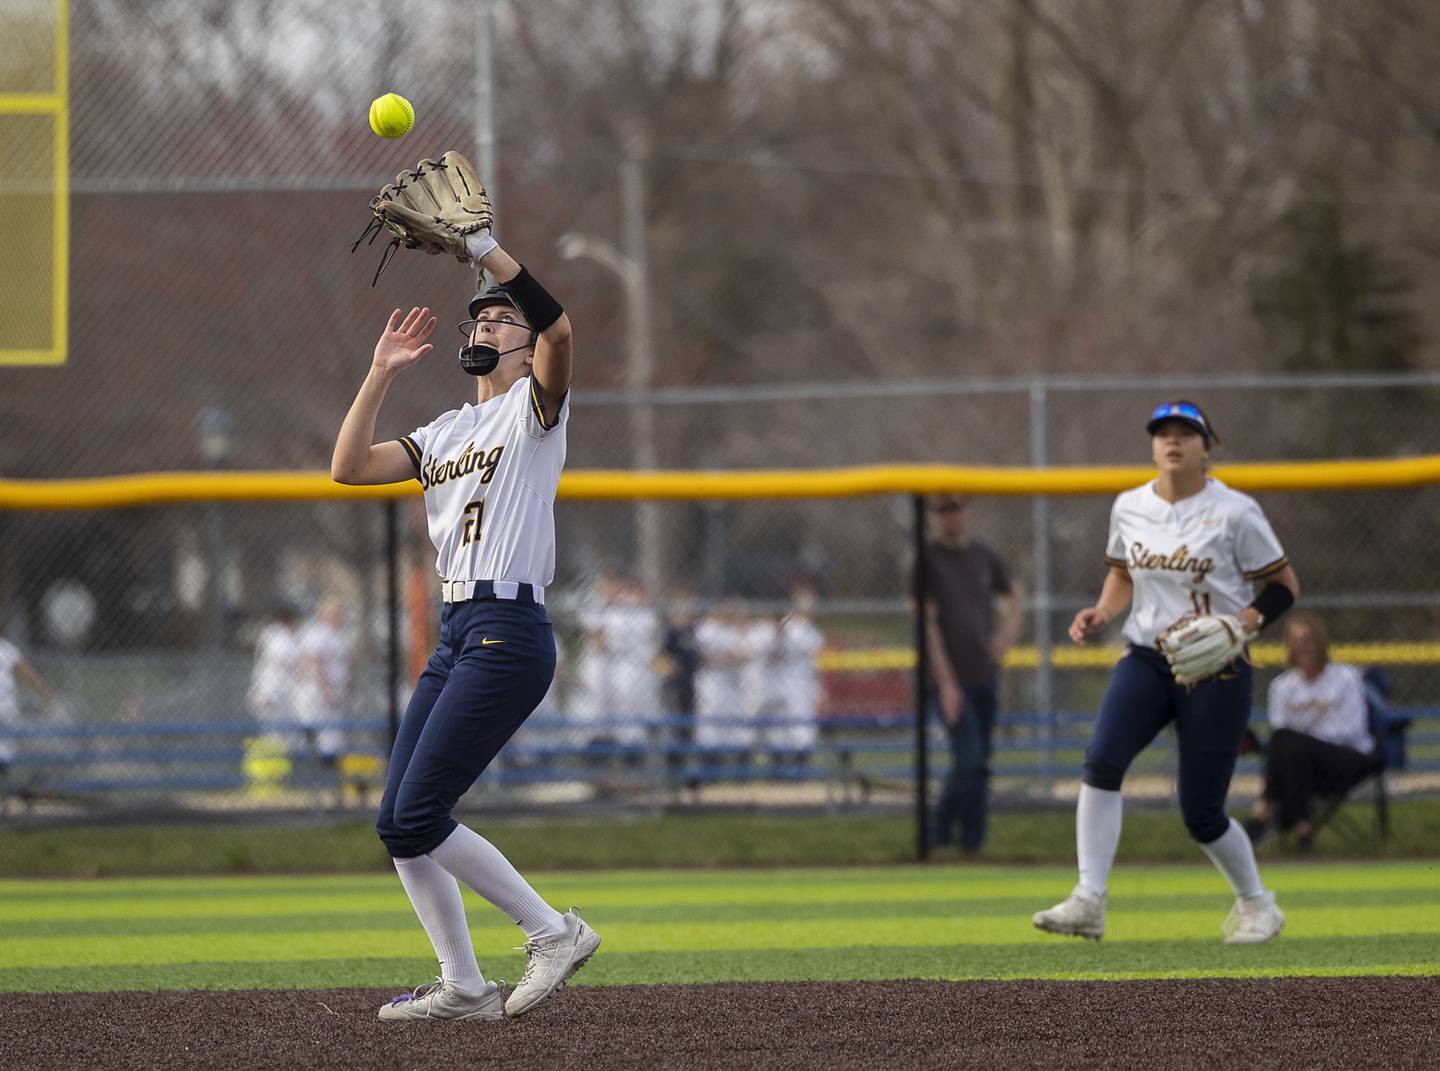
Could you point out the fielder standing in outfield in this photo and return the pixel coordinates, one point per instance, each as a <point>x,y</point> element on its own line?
<point>1184,553</point>
<point>489,472</point>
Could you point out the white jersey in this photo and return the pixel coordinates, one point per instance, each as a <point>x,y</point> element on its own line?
<point>322,672</point>
<point>1200,555</point>
<point>759,676</point>
<point>1332,707</point>
<point>489,472</point>
<point>322,662</point>
<point>720,716</point>
<point>273,678</point>
<point>10,659</point>
<point>632,640</point>
<point>799,684</point>
<point>800,643</point>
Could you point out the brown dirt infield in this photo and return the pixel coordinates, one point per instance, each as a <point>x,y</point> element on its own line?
<point>1287,1022</point>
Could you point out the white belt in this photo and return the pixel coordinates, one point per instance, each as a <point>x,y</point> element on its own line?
<point>465,590</point>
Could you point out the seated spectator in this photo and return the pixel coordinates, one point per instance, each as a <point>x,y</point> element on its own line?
<point>1320,742</point>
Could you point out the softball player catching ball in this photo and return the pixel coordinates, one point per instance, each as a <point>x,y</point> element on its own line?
<point>489,472</point>
<point>1184,553</point>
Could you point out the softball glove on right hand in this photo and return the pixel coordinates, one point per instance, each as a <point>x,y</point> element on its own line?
<point>1197,648</point>
<point>433,207</point>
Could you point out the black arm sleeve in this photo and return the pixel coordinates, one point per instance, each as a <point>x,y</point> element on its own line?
<point>1272,602</point>
<point>533,300</point>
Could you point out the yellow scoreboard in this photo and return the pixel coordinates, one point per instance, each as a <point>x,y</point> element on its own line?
<point>34,181</point>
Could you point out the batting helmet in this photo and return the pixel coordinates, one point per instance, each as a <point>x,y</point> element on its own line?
<point>480,360</point>
<point>491,295</point>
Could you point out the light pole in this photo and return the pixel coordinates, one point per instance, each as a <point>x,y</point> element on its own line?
<point>488,155</point>
<point>631,265</point>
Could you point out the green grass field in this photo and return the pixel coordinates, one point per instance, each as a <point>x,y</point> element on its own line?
<point>941,922</point>
<point>312,846</point>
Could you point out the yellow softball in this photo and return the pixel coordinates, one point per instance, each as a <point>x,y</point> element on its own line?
<point>391,116</point>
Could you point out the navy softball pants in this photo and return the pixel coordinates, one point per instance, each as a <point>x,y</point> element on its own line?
<point>493,666</point>
<point>965,798</point>
<point>1209,722</point>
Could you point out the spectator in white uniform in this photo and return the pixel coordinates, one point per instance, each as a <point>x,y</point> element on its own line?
<point>592,700</point>
<point>632,642</point>
<point>722,728</point>
<point>273,679</point>
<point>617,693</point>
<point>759,676</point>
<point>13,668</point>
<point>1320,742</point>
<point>795,722</point>
<point>322,674</point>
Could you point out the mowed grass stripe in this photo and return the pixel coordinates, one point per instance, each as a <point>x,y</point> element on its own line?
<point>746,935</point>
<point>700,886</point>
<point>1412,954</point>
<point>600,880</point>
<point>398,914</point>
<point>279,896</point>
<point>623,883</point>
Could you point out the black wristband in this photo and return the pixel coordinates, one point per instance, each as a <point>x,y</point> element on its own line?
<point>1272,602</point>
<point>533,300</point>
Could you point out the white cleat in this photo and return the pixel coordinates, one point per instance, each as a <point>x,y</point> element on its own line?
<point>1081,914</point>
<point>441,1000</point>
<point>1253,921</point>
<point>550,964</point>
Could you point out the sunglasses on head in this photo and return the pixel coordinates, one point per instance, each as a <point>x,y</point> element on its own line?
<point>1182,411</point>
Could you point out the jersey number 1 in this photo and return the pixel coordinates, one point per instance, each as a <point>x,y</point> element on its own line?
<point>1201,601</point>
<point>473,512</point>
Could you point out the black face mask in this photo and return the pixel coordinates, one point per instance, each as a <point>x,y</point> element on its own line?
<point>481,360</point>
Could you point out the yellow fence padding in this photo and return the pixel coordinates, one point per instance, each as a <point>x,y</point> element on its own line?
<point>145,489</point>
<point>1263,654</point>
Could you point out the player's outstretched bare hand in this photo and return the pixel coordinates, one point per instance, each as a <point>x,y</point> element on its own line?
<point>402,343</point>
<point>1088,623</point>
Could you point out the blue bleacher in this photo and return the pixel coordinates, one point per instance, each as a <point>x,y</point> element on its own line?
<point>160,757</point>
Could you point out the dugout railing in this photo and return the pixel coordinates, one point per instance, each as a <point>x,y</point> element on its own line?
<point>163,725</point>
<point>857,761</point>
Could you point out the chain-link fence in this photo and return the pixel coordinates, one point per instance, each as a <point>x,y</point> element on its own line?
<point>219,658</point>
<point>219,164</point>
<point>783,248</point>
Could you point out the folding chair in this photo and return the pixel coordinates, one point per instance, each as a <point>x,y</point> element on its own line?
<point>1388,729</point>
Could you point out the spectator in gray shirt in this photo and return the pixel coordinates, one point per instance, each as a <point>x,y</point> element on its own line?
<point>972,618</point>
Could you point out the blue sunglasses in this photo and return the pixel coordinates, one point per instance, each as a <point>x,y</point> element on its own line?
<point>1181,412</point>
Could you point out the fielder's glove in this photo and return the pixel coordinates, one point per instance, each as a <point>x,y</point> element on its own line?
<point>1197,648</point>
<point>434,207</point>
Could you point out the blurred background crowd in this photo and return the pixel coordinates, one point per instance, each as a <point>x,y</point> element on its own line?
<point>791,233</point>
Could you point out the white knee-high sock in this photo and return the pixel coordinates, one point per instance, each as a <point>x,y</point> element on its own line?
<point>1097,835</point>
<point>1234,856</point>
<point>435,895</point>
<point>481,866</point>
